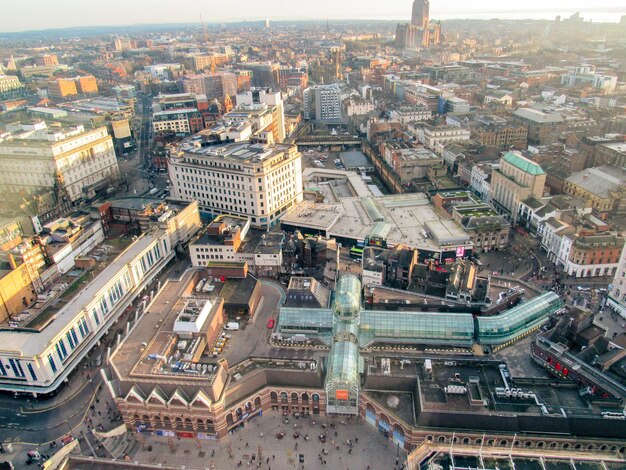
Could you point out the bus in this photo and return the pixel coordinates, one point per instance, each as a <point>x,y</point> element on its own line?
<point>356,253</point>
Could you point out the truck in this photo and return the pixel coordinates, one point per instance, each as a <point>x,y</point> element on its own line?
<point>199,285</point>
<point>154,190</point>
<point>232,326</point>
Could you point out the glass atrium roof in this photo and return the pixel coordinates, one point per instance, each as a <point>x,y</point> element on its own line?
<point>517,320</point>
<point>348,296</point>
<point>417,327</point>
<point>343,363</point>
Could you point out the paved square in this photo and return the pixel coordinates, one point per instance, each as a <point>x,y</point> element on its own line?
<point>370,449</point>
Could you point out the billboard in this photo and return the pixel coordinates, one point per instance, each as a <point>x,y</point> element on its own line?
<point>460,252</point>
<point>341,394</point>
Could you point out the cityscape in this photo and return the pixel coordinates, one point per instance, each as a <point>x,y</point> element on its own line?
<point>351,237</point>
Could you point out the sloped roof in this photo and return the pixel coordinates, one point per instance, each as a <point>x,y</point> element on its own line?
<point>523,164</point>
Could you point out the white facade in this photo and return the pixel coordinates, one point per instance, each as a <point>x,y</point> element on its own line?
<point>617,289</point>
<point>256,181</point>
<point>437,137</point>
<point>74,158</point>
<point>358,107</point>
<point>175,120</point>
<point>408,114</point>
<point>585,75</point>
<point>38,362</point>
<point>322,103</point>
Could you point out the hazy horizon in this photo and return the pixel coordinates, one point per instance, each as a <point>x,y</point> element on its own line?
<point>70,13</point>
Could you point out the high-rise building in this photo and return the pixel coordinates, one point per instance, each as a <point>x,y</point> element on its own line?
<point>420,14</point>
<point>73,161</point>
<point>617,292</point>
<point>252,180</point>
<point>420,31</point>
<point>322,103</point>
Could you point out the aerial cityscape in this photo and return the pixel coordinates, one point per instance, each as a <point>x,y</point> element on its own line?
<point>356,237</point>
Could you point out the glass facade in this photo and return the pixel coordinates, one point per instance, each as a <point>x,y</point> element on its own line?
<point>517,321</point>
<point>305,320</point>
<point>348,296</point>
<point>416,327</point>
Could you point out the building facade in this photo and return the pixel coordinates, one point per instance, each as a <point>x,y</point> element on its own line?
<point>251,180</point>
<point>517,179</point>
<point>617,289</point>
<point>72,161</point>
<point>322,103</point>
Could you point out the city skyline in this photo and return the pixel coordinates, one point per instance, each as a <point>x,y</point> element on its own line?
<point>56,15</point>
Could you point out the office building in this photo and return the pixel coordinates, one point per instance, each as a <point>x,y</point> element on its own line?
<point>586,76</point>
<point>252,180</point>
<point>264,75</point>
<point>74,162</point>
<point>517,180</point>
<point>322,103</point>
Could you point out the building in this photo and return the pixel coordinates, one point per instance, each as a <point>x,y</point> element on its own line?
<point>168,102</point>
<point>603,187</point>
<point>409,161</point>
<point>61,88</point>
<point>264,75</point>
<point>616,299</point>
<point>586,76</point>
<point>517,179</point>
<point>37,357</point>
<point>393,268</point>
<point>71,161</point>
<point>252,180</point>
<point>322,103</point>
<point>261,99</point>
<point>613,154</point>
<point>436,137</point>
<point>355,106</point>
<point>543,128</point>
<point>47,59</point>
<point>293,78</point>
<point>182,122</point>
<point>421,31</point>
<point>495,132</point>
<point>228,239</point>
<point>593,255</point>
<point>11,88</point>
<point>406,114</point>
<point>384,221</point>
<point>22,261</point>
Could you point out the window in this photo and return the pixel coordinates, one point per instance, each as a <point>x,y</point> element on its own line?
<point>17,367</point>
<point>31,370</point>
<point>70,339</point>
<point>2,369</point>
<point>61,350</point>
<point>73,331</point>
<point>53,366</point>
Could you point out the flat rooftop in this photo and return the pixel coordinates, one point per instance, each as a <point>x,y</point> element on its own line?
<point>154,334</point>
<point>410,219</point>
<point>30,343</point>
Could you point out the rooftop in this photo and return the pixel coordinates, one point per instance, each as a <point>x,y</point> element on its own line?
<point>523,163</point>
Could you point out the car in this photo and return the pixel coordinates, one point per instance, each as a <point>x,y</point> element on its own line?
<point>583,289</point>
<point>270,323</point>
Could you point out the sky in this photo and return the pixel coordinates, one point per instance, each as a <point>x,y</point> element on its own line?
<point>44,14</point>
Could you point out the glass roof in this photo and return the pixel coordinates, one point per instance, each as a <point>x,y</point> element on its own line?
<point>517,320</point>
<point>418,327</point>
<point>348,296</point>
<point>320,318</point>
<point>343,362</point>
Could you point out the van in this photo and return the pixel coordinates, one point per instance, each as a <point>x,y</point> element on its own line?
<point>232,326</point>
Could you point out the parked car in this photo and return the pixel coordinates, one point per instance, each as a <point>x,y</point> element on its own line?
<point>270,323</point>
